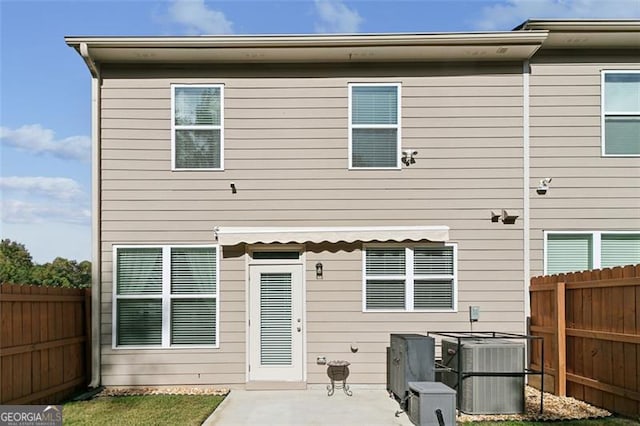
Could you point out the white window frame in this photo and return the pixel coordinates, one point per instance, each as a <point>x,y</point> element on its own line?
<point>397,126</point>
<point>409,276</point>
<point>175,127</point>
<point>604,113</point>
<point>165,296</point>
<point>596,240</point>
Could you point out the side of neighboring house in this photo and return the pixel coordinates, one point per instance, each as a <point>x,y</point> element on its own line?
<point>256,210</point>
<point>585,135</point>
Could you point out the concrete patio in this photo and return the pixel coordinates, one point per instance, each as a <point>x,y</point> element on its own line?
<point>367,406</point>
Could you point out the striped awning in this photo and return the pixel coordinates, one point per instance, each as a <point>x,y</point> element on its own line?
<point>230,236</point>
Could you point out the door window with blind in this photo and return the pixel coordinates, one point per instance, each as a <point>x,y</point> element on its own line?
<point>410,278</point>
<point>581,251</point>
<point>197,127</point>
<point>165,296</point>
<point>374,126</point>
<point>621,113</point>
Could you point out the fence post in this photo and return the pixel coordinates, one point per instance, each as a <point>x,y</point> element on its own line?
<point>561,340</point>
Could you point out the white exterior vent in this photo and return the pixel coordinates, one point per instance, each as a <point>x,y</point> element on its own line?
<point>486,395</point>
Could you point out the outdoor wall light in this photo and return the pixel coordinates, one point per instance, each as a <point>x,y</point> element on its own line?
<point>319,270</point>
<point>233,188</point>
<point>509,217</point>
<point>544,186</point>
<point>408,157</point>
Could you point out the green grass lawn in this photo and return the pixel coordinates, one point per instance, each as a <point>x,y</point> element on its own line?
<point>608,421</point>
<point>141,410</point>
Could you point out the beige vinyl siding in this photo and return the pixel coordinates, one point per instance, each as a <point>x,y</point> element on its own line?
<point>588,192</point>
<point>286,149</point>
<point>181,366</point>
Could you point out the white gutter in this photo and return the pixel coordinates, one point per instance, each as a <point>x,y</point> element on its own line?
<point>314,40</point>
<point>96,267</point>
<point>526,71</point>
<point>501,46</point>
<point>583,25</point>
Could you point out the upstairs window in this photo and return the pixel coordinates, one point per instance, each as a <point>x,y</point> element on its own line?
<point>410,279</point>
<point>621,113</point>
<point>197,131</point>
<point>374,126</point>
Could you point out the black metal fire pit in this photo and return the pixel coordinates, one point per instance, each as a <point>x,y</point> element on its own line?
<point>338,371</point>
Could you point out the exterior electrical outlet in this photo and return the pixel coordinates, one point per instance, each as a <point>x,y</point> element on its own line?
<point>474,313</point>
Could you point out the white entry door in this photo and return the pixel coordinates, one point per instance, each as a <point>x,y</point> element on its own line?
<point>275,323</point>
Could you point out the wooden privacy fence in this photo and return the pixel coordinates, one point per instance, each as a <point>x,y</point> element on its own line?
<point>44,343</point>
<point>590,322</point>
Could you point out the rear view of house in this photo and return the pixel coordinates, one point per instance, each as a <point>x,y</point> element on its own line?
<point>265,202</point>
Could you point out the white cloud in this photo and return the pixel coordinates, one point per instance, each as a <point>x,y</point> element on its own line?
<point>17,211</point>
<point>506,15</point>
<point>335,17</point>
<point>58,188</point>
<point>36,139</point>
<point>43,200</point>
<point>198,18</point>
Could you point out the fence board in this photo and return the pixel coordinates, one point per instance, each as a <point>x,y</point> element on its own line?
<point>44,343</point>
<point>595,315</point>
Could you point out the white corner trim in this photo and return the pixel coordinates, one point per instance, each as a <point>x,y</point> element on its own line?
<point>96,218</point>
<point>526,193</point>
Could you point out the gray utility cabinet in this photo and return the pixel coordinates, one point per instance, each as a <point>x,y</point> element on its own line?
<point>485,394</point>
<point>430,400</point>
<point>410,358</point>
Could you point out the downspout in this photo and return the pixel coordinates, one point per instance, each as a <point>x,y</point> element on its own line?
<point>96,267</point>
<point>526,71</point>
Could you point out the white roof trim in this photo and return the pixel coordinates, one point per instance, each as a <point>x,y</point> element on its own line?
<point>230,236</point>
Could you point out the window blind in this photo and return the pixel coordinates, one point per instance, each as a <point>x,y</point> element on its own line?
<point>276,320</point>
<point>193,270</point>
<point>197,148</point>
<point>193,322</point>
<point>620,250</point>
<point>178,307</point>
<point>374,126</point>
<point>374,105</point>
<point>385,261</point>
<point>436,292</point>
<point>139,271</point>
<point>431,261</point>
<point>622,113</point>
<point>622,135</point>
<point>390,280</point>
<point>139,322</point>
<point>433,294</point>
<point>385,294</point>
<point>197,106</point>
<point>374,147</point>
<point>569,253</point>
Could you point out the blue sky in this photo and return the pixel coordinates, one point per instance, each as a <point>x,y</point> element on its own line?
<point>45,176</point>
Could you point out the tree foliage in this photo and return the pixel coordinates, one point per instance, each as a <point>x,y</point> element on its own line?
<point>17,267</point>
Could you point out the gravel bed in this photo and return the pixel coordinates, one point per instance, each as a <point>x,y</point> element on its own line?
<point>555,408</point>
<point>162,391</point>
